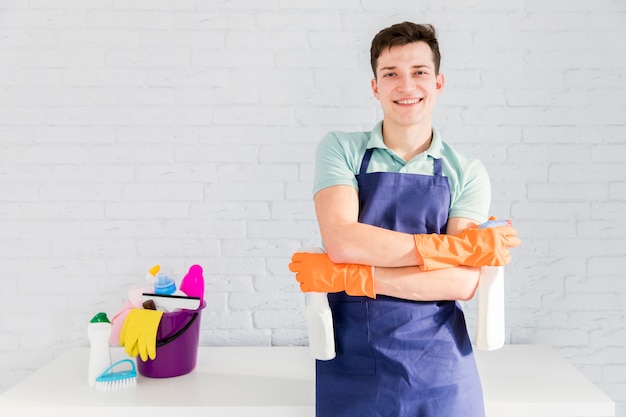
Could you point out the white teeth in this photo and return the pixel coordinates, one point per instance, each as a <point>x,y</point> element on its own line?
<point>412,101</point>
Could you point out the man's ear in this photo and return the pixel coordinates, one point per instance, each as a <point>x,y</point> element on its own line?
<point>440,82</point>
<point>375,88</point>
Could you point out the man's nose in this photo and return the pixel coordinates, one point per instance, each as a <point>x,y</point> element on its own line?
<point>405,84</point>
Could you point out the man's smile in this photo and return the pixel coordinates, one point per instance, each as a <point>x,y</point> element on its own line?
<point>408,101</point>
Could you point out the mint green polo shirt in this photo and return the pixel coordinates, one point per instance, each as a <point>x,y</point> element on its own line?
<point>338,160</point>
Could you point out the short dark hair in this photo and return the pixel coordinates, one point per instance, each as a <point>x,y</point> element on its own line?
<point>403,34</point>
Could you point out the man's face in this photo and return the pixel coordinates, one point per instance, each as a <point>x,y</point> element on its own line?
<point>406,84</point>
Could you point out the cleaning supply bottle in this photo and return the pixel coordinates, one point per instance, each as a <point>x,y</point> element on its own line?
<point>192,284</point>
<point>98,331</point>
<point>490,326</point>
<point>151,275</point>
<point>164,285</point>
<point>319,320</point>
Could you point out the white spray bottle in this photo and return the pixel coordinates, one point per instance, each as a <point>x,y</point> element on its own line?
<point>319,320</point>
<point>98,331</point>
<point>490,326</point>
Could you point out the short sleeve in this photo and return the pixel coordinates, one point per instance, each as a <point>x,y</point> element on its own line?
<point>473,197</point>
<point>335,163</point>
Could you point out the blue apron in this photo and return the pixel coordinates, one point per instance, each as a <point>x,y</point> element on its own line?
<point>395,357</point>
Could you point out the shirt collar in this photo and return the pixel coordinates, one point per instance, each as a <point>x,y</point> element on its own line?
<point>376,141</point>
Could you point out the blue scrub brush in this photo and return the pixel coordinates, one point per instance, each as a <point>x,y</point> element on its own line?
<point>111,380</point>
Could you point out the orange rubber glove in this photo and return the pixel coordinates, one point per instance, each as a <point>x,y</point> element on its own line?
<point>471,247</point>
<point>317,273</point>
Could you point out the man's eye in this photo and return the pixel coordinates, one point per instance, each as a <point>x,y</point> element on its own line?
<point>389,74</point>
<point>421,73</point>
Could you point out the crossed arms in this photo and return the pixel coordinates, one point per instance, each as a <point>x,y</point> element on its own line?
<point>393,254</point>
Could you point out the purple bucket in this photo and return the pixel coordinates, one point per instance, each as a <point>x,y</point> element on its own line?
<point>176,345</point>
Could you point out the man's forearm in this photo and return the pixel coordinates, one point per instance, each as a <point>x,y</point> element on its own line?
<point>411,283</point>
<point>369,245</point>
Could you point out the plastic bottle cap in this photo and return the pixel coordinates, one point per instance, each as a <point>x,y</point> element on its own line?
<point>164,284</point>
<point>195,270</point>
<point>100,318</point>
<point>193,283</point>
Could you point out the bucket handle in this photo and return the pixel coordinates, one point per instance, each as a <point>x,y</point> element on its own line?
<point>176,335</point>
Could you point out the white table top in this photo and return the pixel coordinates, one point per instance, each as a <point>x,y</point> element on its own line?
<point>518,380</point>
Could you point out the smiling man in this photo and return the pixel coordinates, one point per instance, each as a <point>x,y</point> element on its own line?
<point>397,209</point>
<point>407,85</point>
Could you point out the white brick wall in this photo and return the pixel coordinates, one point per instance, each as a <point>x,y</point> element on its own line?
<point>181,131</point>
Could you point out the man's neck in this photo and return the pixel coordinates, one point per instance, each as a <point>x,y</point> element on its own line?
<point>407,141</point>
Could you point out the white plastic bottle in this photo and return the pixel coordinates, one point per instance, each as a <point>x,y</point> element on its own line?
<point>98,331</point>
<point>490,325</point>
<point>319,320</point>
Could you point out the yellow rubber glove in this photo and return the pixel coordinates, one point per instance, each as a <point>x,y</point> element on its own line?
<point>317,273</point>
<point>471,247</point>
<point>138,335</point>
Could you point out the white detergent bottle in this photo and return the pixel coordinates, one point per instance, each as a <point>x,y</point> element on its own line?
<point>490,325</point>
<point>319,320</point>
<point>98,331</point>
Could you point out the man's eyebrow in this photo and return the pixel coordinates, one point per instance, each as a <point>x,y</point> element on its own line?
<point>391,68</point>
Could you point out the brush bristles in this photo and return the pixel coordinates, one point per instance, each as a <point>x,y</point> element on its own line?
<point>110,380</point>
<point>115,385</point>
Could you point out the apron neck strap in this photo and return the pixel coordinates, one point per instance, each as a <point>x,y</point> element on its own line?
<point>366,161</point>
